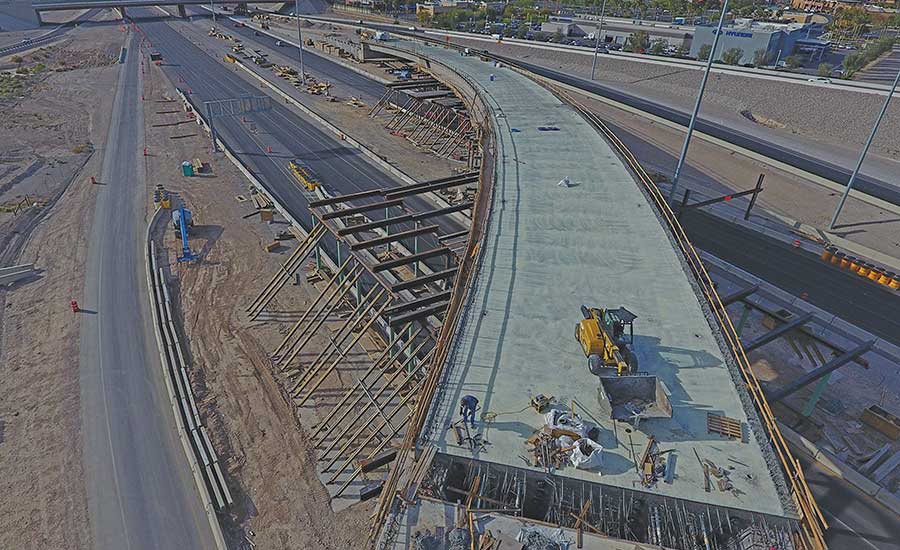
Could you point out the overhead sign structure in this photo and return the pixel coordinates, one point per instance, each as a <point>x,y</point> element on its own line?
<point>233,107</point>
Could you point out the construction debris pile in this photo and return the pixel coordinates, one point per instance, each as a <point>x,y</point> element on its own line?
<point>533,538</point>
<point>656,464</point>
<point>564,439</point>
<point>456,539</point>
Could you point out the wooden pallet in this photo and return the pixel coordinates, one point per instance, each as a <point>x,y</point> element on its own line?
<point>729,427</point>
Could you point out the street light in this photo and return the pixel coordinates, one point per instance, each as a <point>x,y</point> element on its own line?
<point>865,150</point>
<point>299,41</point>
<point>597,39</point>
<point>690,131</point>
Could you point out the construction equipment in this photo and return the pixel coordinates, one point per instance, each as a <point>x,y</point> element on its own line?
<point>540,402</point>
<point>181,220</point>
<point>605,336</point>
<point>304,174</point>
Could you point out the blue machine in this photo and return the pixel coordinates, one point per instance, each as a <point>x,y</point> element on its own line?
<point>182,219</point>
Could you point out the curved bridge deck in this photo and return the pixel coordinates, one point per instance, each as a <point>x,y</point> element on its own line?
<point>548,250</point>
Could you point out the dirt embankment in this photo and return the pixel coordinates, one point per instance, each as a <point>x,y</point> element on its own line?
<point>51,123</point>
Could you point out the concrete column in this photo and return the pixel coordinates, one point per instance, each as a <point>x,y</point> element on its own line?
<point>182,13</point>
<point>121,11</point>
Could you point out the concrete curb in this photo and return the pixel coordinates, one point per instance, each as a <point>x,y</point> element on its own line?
<point>173,400</point>
<point>841,469</point>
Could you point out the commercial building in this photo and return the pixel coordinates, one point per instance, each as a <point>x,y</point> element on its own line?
<point>777,40</point>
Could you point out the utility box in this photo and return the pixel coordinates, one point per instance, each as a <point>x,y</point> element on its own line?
<point>187,169</point>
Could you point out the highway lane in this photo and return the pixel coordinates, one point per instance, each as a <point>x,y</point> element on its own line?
<point>858,301</point>
<point>856,520</point>
<point>141,494</point>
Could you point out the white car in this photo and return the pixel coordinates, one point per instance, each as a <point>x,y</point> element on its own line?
<point>819,80</point>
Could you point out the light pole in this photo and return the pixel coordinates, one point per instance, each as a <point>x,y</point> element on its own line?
<point>690,131</point>
<point>597,39</point>
<point>865,150</point>
<point>299,41</point>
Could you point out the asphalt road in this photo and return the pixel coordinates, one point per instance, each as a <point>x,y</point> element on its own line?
<point>141,494</point>
<point>838,291</point>
<point>856,520</point>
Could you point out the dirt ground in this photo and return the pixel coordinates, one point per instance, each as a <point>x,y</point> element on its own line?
<point>270,464</point>
<point>48,132</point>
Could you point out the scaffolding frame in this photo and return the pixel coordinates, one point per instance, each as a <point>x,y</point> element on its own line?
<point>616,512</point>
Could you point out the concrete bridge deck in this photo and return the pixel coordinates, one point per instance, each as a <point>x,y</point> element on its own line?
<point>549,249</point>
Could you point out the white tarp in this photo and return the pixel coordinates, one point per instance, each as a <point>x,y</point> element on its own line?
<point>587,461</point>
<point>565,420</point>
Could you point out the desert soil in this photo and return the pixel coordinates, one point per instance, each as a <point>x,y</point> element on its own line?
<point>50,126</point>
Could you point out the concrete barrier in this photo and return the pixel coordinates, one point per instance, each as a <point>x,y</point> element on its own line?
<point>841,469</point>
<point>154,296</point>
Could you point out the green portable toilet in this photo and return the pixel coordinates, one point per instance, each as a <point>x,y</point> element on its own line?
<point>187,168</point>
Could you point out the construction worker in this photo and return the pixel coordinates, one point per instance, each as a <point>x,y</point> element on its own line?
<point>467,406</point>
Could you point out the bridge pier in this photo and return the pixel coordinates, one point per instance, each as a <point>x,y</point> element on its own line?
<point>182,13</point>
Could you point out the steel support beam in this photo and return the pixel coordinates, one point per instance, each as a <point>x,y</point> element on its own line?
<point>421,313</point>
<point>815,374</point>
<point>309,310</point>
<point>774,334</point>
<point>410,376</point>
<point>411,190</point>
<point>359,209</point>
<point>345,198</point>
<point>415,304</point>
<point>739,295</point>
<point>405,260</point>
<point>377,241</point>
<point>430,278</point>
<point>383,358</point>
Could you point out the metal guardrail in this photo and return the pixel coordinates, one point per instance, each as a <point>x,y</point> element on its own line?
<point>198,449</point>
<point>812,521</point>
